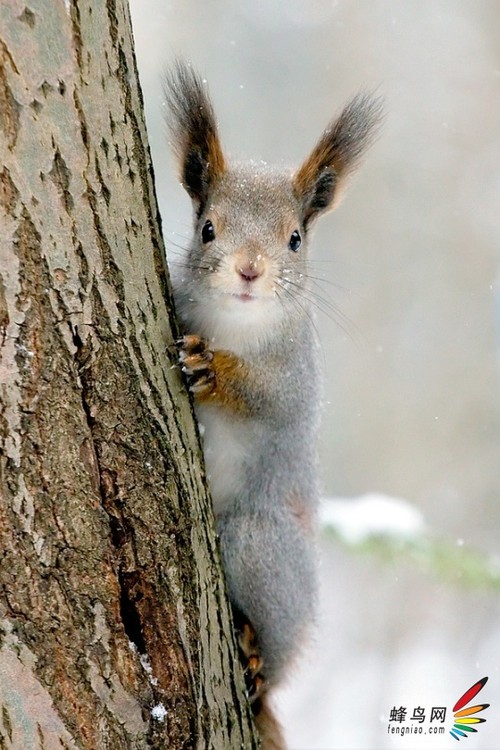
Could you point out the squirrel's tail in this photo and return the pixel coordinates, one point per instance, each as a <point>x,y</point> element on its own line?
<point>270,732</point>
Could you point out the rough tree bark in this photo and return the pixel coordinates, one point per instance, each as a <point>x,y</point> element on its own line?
<point>107,546</point>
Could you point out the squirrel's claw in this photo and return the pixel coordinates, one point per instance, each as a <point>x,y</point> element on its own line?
<point>191,344</point>
<point>251,661</point>
<point>195,359</point>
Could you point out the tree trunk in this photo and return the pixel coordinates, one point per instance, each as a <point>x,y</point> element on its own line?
<point>114,624</point>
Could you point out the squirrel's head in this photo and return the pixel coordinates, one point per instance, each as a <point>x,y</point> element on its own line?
<point>249,255</point>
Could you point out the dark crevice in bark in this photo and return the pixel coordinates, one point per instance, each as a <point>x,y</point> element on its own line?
<point>113,20</point>
<point>10,108</point>
<point>61,177</point>
<point>80,358</point>
<point>4,314</point>
<point>83,265</point>
<point>105,192</point>
<point>77,35</point>
<point>9,194</point>
<point>83,122</point>
<point>7,722</point>
<point>129,613</point>
<point>112,273</point>
<point>46,88</point>
<point>27,16</point>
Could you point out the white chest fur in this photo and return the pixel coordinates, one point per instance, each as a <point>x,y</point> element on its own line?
<point>227,445</point>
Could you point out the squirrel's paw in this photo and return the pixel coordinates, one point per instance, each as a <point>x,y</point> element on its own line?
<point>195,359</point>
<point>251,660</point>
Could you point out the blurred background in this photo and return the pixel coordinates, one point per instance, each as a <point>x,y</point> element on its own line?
<point>409,612</point>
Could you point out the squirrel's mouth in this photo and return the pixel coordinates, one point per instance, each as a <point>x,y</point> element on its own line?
<point>246,295</point>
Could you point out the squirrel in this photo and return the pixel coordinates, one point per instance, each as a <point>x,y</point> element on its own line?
<point>251,358</point>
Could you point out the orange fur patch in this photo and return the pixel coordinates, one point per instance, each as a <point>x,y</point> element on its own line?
<point>232,384</point>
<point>215,156</point>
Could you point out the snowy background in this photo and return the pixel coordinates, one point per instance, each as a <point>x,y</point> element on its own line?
<point>409,608</point>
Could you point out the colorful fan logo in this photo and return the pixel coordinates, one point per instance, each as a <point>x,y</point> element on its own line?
<point>465,716</point>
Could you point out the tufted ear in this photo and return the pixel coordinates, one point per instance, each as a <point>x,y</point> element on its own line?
<point>194,132</point>
<point>319,181</point>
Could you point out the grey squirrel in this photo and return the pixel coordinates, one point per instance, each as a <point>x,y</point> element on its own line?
<point>250,355</point>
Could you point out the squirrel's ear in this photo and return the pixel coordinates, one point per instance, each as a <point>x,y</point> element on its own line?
<point>194,132</point>
<point>319,181</point>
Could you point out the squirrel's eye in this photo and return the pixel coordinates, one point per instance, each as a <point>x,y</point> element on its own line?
<point>208,232</point>
<point>295,241</point>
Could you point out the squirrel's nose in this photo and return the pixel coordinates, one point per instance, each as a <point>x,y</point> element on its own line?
<point>249,272</point>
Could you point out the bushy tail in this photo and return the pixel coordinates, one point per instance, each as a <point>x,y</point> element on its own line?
<point>271,734</point>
